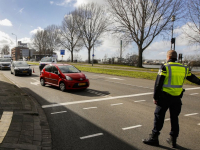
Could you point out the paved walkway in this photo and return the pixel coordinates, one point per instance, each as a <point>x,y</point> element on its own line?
<point>23,124</point>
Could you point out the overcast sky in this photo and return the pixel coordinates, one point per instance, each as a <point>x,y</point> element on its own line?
<point>25,17</point>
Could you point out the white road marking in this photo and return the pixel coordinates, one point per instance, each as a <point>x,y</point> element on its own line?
<point>194,93</point>
<point>95,100</point>
<point>167,119</point>
<point>116,104</point>
<point>198,124</point>
<point>90,136</point>
<point>191,114</point>
<point>139,101</point>
<point>58,112</point>
<point>35,83</point>
<point>90,108</point>
<point>5,121</point>
<point>35,79</point>
<point>127,128</point>
<point>187,89</point>
<point>116,78</point>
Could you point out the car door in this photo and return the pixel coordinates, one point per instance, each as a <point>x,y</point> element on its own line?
<point>47,73</point>
<point>54,77</point>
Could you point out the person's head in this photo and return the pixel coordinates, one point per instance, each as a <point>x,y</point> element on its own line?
<point>171,54</point>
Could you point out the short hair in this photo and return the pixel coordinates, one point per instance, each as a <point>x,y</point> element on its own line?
<point>172,54</point>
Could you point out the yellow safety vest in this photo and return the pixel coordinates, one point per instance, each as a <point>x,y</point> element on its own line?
<point>175,75</point>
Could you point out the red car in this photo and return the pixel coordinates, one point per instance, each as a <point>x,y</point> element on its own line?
<point>64,76</point>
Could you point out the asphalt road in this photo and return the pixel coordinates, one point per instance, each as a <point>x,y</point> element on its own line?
<point>114,113</point>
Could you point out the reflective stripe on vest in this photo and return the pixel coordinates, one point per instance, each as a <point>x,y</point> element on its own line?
<point>170,76</point>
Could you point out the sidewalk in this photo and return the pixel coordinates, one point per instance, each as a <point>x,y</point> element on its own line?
<point>23,124</point>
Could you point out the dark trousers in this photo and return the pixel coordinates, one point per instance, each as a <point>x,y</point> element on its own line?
<point>173,103</point>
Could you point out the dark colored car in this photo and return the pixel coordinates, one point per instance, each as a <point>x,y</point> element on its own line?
<point>63,76</point>
<point>20,68</point>
<point>5,63</point>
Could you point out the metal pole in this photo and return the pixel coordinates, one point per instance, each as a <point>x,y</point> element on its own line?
<point>172,33</point>
<point>121,52</point>
<point>93,56</point>
<point>16,38</point>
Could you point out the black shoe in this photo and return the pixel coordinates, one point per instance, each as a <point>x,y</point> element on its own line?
<point>152,140</point>
<point>172,141</point>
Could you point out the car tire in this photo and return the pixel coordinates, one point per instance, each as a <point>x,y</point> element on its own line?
<point>11,72</point>
<point>62,86</point>
<point>30,74</point>
<point>42,82</point>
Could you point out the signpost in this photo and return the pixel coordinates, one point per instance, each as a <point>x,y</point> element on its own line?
<point>62,52</point>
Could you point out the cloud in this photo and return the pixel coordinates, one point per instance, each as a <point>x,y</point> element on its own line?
<point>20,11</point>
<point>51,2</point>
<point>6,40</point>
<point>25,40</point>
<point>5,22</point>
<point>64,3</point>
<point>81,2</point>
<point>35,30</point>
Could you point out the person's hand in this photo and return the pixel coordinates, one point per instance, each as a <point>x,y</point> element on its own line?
<point>154,101</point>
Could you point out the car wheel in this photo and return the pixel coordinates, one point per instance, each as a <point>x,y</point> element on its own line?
<point>42,82</point>
<point>11,72</point>
<point>62,86</point>
<point>30,74</point>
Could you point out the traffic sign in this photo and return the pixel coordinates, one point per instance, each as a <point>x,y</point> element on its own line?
<point>62,52</point>
<point>93,55</point>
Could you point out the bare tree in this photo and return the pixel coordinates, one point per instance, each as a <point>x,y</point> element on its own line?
<point>52,38</point>
<point>193,22</point>
<point>142,20</point>
<point>92,23</point>
<point>70,36</point>
<point>192,61</point>
<point>5,50</point>
<point>40,41</point>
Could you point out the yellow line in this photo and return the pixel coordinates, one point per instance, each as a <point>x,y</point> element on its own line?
<point>5,121</point>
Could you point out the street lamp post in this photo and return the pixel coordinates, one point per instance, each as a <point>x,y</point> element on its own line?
<point>16,38</point>
<point>173,39</point>
<point>93,56</point>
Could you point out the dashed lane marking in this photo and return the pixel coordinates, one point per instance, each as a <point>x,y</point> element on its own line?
<point>95,100</point>
<point>116,104</point>
<point>187,89</point>
<point>5,122</point>
<point>58,112</point>
<point>116,79</point>
<point>35,79</point>
<point>167,119</point>
<point>194,93</point>
<point>139,101</point>
<point>133,127</point>
<point>90,136</point>
<point>198,124</point>
<point>90,108</point>
<point>191,114</point>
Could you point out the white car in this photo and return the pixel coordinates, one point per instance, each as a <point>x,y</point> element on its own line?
<point>5,63</point>
<point>47,60</point>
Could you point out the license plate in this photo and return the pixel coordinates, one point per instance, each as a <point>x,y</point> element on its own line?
<point>81,84</point>
<point>24,71</point>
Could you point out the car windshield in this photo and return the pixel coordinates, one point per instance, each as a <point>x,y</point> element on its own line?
<point>21,64</point>
<point>46,59</point>
<point>68,69</point>
<point>5,60</point>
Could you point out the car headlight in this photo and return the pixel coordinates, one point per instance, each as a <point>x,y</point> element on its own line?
<point>68,78</point>
<point>16,68</point>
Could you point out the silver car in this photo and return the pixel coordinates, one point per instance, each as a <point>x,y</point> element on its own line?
<point>5,63</point>
<point>20,68</point>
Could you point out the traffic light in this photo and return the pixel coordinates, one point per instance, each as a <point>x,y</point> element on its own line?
<point>180,57</point>
<point>173,40</point>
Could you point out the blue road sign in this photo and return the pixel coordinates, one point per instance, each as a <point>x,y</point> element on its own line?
<point>93,55</point>
<point>62,52</point>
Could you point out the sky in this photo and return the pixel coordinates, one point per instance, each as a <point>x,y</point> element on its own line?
<point>24,17</point>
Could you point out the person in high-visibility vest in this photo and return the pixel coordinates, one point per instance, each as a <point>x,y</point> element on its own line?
<point>168,92</point>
